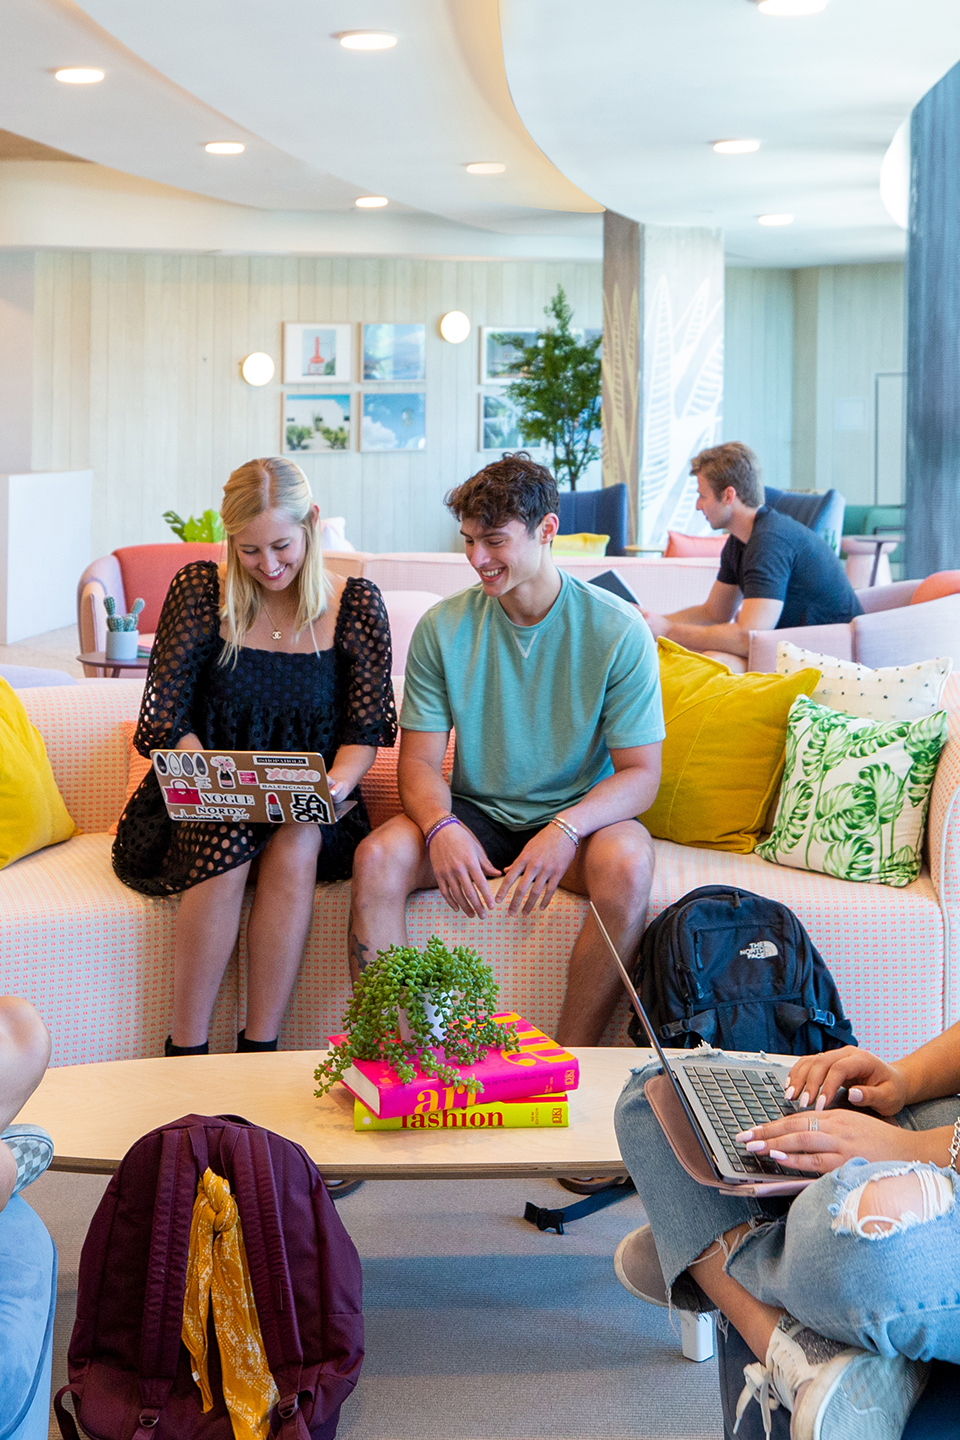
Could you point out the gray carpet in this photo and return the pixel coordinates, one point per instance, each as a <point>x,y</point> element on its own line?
<point>477,1325</point>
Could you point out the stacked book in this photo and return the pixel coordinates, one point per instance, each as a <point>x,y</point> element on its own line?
<point>522,1089</point>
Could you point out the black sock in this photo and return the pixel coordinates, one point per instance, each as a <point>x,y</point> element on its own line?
<point>170,1049</point>
<point>252,1047</point>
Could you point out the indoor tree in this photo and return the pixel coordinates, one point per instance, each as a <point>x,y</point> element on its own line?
<point>558,394</point>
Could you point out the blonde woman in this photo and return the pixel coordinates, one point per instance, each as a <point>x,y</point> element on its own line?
<point>268,652</point>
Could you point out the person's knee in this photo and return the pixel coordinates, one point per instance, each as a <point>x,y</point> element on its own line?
<point>891,1202</point>
<point>385,862</point>
<point>620,872</point>
<point>23,1031</point>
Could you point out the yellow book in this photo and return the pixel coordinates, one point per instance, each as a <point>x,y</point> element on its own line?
<point>528,1114</point>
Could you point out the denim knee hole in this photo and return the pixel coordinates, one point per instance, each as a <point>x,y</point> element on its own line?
<point>934,1196</point>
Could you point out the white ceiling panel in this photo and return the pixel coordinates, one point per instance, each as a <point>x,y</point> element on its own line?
<point>627,96</point>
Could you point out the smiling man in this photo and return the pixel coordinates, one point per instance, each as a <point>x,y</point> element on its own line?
<point>774,572</point>
<point>553,689</point>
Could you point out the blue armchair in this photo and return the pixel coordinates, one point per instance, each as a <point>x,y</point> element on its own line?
<point>598,512</point>
<point>822,513</point>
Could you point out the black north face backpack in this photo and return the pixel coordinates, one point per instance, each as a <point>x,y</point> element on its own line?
<point>738,971</point>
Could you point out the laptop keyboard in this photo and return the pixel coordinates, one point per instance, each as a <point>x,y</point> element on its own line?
<point>737,1100</point>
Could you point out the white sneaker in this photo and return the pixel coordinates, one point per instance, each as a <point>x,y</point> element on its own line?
<point>835,1391</point>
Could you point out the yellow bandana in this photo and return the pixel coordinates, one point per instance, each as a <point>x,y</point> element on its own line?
<point>217,1269</point>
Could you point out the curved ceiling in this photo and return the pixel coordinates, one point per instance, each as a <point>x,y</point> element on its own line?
<point>613,104</point>
<point>628,105</point>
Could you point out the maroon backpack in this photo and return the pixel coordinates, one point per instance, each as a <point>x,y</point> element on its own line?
<point>130,1374</point>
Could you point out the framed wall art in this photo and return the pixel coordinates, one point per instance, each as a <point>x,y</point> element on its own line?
<point>316,424</point>
<point>500,348</point>
<point>393,421</point>
<point>499,424</point>
<point>317,352</point>
<point>394,352</point>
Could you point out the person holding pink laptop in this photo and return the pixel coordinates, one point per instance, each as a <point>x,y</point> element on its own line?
<point>266,652</point>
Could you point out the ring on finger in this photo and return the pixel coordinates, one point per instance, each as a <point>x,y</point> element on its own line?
<point>814,1123</point>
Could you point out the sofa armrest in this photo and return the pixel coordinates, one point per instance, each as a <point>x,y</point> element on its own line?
<point>943,848</point>
<point>909,633</point>
<point>835,640</point>
<point>887,597</point>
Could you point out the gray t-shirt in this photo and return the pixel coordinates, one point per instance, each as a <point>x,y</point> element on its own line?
<point>536,708</point>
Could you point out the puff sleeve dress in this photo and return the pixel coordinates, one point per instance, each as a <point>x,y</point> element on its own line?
<point>267,701</point>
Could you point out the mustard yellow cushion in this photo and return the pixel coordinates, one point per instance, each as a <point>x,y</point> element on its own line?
<point>32,814</point>
<point>724,751</point>
<point>581,544</point>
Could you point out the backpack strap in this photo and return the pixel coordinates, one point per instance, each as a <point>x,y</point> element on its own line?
<point>166,1275</point>
<point>255,1187</point>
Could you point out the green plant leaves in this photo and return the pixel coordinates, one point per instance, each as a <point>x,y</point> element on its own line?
<point>208,529</point>
<point>462,993</point>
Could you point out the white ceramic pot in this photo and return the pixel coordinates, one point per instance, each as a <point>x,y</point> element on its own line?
<point>122,644</point>
<point>436,1029</point>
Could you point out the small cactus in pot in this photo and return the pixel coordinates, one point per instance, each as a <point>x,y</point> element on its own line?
<point>122,635</point>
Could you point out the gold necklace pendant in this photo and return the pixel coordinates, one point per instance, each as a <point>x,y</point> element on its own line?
<point>275,633</point>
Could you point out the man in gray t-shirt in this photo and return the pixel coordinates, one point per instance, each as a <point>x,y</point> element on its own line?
<point>552,687</point>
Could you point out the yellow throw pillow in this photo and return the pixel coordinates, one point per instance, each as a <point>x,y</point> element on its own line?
<point>32,814</point>
<point>724,751</point>
<point>581,544</point>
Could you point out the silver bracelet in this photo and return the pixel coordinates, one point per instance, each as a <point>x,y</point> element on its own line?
<point>571,831</point>
<point>955,1146</point>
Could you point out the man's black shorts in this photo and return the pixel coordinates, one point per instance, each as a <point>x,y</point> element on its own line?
<point>502,844</point>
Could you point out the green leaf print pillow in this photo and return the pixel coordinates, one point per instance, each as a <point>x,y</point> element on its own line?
<point>855,793</point>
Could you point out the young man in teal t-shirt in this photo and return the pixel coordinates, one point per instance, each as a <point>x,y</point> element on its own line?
<point>553,689</point>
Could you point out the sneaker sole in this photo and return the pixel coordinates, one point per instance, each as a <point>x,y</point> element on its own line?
<point>863,1399</point>
<point>621,1274</point>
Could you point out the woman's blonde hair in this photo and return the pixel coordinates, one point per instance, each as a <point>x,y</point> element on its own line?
<point>270,484</point>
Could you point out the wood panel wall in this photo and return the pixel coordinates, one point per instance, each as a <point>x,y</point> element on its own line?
<point>758,367</point>
<point>136,375</point>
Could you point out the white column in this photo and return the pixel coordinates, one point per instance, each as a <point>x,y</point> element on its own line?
<point>44,548</point>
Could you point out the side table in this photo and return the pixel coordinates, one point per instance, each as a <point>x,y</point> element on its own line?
<point>99,658</point>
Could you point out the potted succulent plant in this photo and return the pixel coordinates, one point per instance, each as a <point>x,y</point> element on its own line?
<point>420,1010</point>
<point>123,637</point>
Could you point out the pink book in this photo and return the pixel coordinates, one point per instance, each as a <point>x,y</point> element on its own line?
<point>539,1067</point>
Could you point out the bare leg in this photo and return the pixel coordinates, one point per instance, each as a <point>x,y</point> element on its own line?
<point>755,1321</point>
<point>24,1053</point>
<point>388,865</point>
<point>206,933</point>
<point>279,921</point>
<point>615,868</point>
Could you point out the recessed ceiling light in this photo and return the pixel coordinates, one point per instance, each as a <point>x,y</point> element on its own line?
<point>371,202</point>
<point>224,147</point>
<point>257,369</point>
<point>792,7</point>
<point>366,39</point>
<point>76,75</point>
<point>485,167</point>
<point>736,147</point>
<point>455,327</point>
<point>774,219</point>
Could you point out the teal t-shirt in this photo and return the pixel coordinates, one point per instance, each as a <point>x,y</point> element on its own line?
<point>536,708</point>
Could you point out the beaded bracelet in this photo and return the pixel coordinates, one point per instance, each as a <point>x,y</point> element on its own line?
<point>571,832</point>
<point>955,1146</point>
<point>434,829</point>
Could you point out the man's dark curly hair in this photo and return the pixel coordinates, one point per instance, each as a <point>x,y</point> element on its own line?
<point>513,488</point>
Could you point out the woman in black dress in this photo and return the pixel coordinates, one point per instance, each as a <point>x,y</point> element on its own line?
<point>266,653</point>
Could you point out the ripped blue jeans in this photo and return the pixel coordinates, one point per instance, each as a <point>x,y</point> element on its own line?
<point>896,1292</point>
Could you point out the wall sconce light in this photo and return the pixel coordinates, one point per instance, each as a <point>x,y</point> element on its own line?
<point>257,369</point>
<point>455,326</point>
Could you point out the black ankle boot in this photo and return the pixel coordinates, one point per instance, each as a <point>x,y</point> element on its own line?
<point>253,1047</point>
<point>170,1049</point>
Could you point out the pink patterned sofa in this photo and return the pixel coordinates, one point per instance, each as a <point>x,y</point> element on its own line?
<point>95,957</point>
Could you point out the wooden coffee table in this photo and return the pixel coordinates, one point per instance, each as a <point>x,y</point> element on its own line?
<point>96,1112</point>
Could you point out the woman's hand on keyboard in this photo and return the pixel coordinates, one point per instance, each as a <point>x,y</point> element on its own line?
<point>870,1082</point>
<point>818,1141</point>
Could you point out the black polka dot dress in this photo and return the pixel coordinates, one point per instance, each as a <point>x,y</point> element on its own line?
<point>267,701</point>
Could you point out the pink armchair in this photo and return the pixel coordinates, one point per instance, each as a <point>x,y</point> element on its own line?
<point>891,631</point>
<point>136,570</point>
